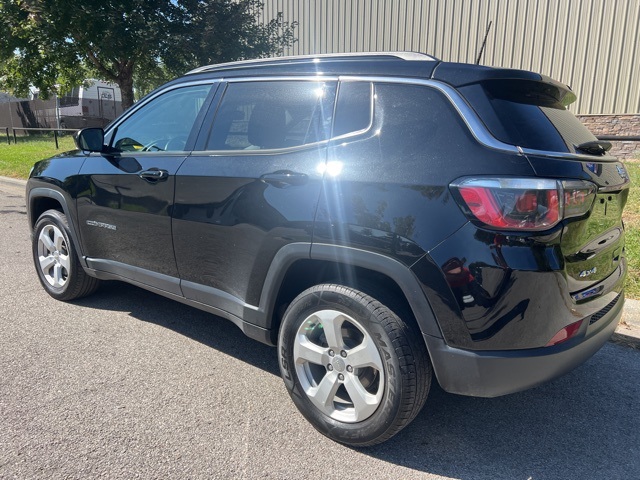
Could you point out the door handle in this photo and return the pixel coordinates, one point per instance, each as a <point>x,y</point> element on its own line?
<point>284,178</point>
<point>154,175</point>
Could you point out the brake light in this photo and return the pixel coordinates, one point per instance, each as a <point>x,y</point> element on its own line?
<point>565,334</point>
<point>523,203</point>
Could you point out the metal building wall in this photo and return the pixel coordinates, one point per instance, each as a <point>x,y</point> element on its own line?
<point>592,45</point>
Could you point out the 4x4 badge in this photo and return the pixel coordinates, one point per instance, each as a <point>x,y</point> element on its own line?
<point>622,172</point>
<point>586,273</point>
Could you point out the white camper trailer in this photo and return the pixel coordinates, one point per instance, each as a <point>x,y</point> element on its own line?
<point>94,105</point>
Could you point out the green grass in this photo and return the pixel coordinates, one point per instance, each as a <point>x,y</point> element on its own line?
<point>17,159</point>
<point>631,218</point>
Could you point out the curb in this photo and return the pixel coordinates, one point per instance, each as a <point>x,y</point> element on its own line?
<point>625,340</point>
<point>627,332</point>
<point>14,182</point>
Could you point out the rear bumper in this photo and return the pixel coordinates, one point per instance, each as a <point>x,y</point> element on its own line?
<point>495,373</point>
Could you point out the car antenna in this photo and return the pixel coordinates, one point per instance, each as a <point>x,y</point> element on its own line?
<point>484,42</point>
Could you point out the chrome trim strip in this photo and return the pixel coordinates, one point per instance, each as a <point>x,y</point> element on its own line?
<point>475,125</point>
<point>469,116</point>
<point>262,151</point>
<point>614,188</point>
<point>371,114</point>
<point>569,155</point>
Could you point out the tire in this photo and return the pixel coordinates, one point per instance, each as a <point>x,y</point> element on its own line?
<point>356,370</point>
<point>56,259</point>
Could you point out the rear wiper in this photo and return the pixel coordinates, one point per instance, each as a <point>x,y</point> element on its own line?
<point>595,147</point>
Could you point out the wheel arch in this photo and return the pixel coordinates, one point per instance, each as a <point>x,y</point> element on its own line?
<point>299,266</point>
<point>42,199</point>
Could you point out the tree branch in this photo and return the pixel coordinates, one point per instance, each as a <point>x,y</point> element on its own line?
<point>101,68</point>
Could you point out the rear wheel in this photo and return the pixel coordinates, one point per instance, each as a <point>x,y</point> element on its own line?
<point>56,260</point>
<point>354,368</point>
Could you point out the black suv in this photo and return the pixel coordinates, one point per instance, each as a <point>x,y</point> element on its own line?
<point>379,217</point>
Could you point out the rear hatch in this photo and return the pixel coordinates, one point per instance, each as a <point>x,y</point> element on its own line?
<point>530,111</point>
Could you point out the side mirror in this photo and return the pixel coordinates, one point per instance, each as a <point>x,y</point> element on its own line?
<point>90,139</point>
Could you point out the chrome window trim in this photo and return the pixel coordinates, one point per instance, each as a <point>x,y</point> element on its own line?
<point>469,116</point>
<point>569,155</point>
<point>614,188</point>
<point>263,151</point>
<point>473,122</point>
<point>371,111</point>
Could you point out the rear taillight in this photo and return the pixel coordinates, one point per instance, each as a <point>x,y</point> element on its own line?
<point>523,203</point>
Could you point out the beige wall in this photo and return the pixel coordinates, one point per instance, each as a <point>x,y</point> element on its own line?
<point>591,45</point>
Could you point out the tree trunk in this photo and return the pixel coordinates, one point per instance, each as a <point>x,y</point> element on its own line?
<point>125,82</point>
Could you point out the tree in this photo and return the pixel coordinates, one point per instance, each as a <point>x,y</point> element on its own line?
<point>50,43</point>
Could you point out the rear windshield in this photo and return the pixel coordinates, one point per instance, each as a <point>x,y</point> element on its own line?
<point>527,114</point>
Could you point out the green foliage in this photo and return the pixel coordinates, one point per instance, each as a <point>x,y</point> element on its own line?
<point>61,42</point>
<point>227,30</point>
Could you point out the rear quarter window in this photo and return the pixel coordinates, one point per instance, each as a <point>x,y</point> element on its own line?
<point>416,123</point>
<point>353,108</point>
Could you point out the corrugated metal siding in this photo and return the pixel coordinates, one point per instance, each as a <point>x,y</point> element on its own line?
<point>592,45</point>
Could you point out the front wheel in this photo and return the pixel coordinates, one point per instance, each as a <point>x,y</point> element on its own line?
<point>354,368</point>
<point>56,260</point>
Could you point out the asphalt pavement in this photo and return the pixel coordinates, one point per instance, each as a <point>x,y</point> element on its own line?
<point>128,384</point>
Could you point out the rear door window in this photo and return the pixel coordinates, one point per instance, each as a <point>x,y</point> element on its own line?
<point>273,115</point>
<point>527,114</point>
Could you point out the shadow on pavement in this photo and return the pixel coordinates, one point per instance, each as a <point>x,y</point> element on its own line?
<point>203,327</point>
<point>585,425</point>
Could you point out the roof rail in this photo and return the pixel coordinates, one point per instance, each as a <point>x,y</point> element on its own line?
<point>409,56</point>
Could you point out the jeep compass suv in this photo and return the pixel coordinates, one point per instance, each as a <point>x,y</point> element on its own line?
<point>380,217</point>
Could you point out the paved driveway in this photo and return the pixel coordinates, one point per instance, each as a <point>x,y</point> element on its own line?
<point>128,384</point>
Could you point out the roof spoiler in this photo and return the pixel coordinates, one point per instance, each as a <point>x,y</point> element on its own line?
<point>505,81</point>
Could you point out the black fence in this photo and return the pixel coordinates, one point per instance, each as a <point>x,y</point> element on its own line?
<point>56,132</point>
<point>620,138</point>
<point>64,113</point>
